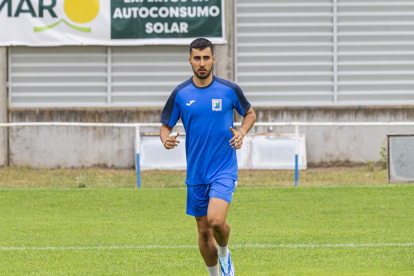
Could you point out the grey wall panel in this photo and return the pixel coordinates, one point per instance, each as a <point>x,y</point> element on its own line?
<point>58,76</point>
<point>401,158</point>
<point>284,52</point>
<point>375,52</point>
<point>96,76</point>
<point>146,76</point>
<point>360,51</point>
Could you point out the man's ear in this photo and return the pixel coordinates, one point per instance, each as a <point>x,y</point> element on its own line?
<point>214,58</point>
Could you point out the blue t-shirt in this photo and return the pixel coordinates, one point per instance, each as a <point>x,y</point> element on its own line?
<point>207,115</point>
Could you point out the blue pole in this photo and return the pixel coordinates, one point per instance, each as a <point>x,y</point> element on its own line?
<point>296,171</point>
<point>138,171</point>
<point>296,156</point>
<point>137,144</point>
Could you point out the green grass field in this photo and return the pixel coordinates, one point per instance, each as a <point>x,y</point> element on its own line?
<point>354,229</point>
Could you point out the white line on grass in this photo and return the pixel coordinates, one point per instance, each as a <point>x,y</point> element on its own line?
<point>184,188</point>
<point>327,186</point>
<point>193,246</point>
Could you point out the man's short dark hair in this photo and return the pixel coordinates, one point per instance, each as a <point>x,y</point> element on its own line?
<point>201,43</point>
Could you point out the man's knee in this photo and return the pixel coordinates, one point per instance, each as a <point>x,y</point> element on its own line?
<point>217,224</point>
<point>205,233</point>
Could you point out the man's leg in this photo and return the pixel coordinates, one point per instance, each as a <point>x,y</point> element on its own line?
<point>197,205</point>
<point>206,243</point>
<point>216,215</point>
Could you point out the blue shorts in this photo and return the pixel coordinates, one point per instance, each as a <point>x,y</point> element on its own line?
<point>198,196</point>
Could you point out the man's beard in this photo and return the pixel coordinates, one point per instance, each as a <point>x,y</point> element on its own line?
<point>206,75</point>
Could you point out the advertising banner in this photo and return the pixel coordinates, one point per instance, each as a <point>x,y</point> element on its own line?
<point>110,22</point>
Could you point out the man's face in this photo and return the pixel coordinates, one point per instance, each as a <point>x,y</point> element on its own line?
<point>202,62</point>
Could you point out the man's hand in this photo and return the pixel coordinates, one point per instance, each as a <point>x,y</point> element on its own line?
<point>171,142</point>
<point>237,141</point>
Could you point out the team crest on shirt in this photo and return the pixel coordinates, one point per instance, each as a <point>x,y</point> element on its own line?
<point>216,104</point>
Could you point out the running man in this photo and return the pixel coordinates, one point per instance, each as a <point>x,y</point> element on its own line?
<point>205,105</point>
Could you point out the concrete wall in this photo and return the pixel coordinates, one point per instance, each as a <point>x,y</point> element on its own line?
<point>3,106</point>
<point>224,67</point>
<point>42,147</point>
<point>69,147</point>
<point>72,147</point>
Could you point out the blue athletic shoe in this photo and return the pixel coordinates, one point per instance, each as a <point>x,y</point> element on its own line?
<point>226,265</point>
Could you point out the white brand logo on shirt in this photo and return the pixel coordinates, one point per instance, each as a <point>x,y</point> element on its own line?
<point>190,103</point>
<point>216,104</point>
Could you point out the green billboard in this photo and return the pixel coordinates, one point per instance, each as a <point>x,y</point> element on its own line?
<point>166,19</point>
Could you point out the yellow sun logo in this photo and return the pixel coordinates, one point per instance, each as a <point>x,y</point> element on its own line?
<point>79,11</point>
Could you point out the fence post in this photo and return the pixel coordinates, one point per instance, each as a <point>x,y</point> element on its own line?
<point>137,145</point>
<point>296,155</point>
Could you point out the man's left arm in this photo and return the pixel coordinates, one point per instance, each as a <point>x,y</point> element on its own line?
<point>248,121</point>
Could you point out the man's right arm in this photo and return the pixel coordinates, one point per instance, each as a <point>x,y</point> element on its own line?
<point>169,143</point>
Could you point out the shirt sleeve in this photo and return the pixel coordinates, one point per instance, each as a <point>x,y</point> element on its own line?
<point>240,103</point>
<point>171,112</point>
